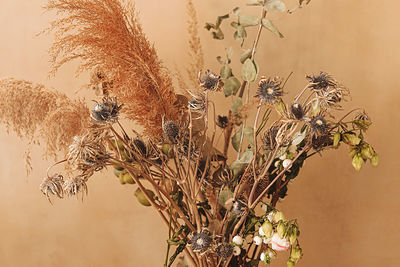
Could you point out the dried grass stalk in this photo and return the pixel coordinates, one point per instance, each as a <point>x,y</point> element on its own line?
<point>107,34</point>
<point>37,114</point>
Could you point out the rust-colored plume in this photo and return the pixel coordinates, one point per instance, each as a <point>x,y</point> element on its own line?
<point>107,34</point>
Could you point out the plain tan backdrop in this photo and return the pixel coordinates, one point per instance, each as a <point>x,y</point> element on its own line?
<point>347,218</point>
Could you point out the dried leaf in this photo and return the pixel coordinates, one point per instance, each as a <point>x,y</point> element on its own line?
<point>271,27</point>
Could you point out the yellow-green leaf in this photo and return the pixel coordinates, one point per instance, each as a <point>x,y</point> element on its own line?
<point>336,139</point>
<point>231,86</point>
<point>226,72</point>
<point>249,71</point>
<point>357,162</point>
<point>248,20</point>
<point>375,160</point>
<point>271,27</point>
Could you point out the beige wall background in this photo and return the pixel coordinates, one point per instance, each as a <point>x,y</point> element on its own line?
<point>347,218</point>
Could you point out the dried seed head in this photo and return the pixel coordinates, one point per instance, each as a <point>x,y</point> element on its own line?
<point>297,110</point>
<point>210,81</point>
<point>270,90</point>
<point>322,81</point>
<point>53,185</point>
<point>202,241</point>
<point>74,186</point>
<point>319,125</point>
<point>107,111</point>
<point>362,120</point>
<point>171,131</point>
<point>270,137</point>
<point>87,149</point>
<point>222,121</point>
<point>224,250</point>
<point>239,207</point>
<point>320,142</point>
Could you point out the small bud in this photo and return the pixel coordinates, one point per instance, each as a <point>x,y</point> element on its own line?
<point>270,216</point>
<point>281,229</point>
<point>336,139</point>
<point>290,263</point>
<point>278,216</point>
<point>283,157</point>
<point>276,164</point>
<point>296,254</point>
<point>357,161</point>
<point>374,160</point>
<point>236,251</point>
<point>141,197</point>
<point>238,240</point>
<point>294,234</point>
<point>286,163</point>
<point>351,139</point>
<point>257,240</point>
<point>262,257</point>
<point>367,152</point>
<point>267,229</point>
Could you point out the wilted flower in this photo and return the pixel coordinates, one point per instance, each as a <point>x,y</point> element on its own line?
<point>210,81</point>
<point>270,90</point>
<point>74,186</point>
<point>171,131</point>
<point>52,185</point>
<point>202,241</point>
<point>323,81</point>
<point>87,149</point>
<point>318,125</point>
<point>297,110</point>
<point>107,111</point>
<point>279,244</point>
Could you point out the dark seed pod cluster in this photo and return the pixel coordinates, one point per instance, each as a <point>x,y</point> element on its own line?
<point>171,131</point>
<point>297,110</point>
<point>270,90</point>
<point>210,81</point>
<point>107,111</point>
<point>201,242</point>
<point>318,125</point>
<point>224,250</point>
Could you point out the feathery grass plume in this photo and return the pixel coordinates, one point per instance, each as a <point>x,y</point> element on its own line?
<point>37,114</point>
<point>107,34</point>
<point>195,48</point>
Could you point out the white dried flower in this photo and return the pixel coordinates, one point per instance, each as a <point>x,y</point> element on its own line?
<point>257,240</point>
<point>238,240</point>
<point>279,244</point>
<point>267,240</point>
<point>283,157</point>
<point>286,163</point>
<point>236,251</point>
<point>270,216</point>
<point>262,256</point>
<point>261,232</point>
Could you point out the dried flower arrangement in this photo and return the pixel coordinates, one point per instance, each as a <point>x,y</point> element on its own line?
<point>218,200</point>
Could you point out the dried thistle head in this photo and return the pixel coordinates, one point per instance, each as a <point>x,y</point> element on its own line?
<point>88,150</point>
<point>210,81</point>
<point>201,242</point>
<point>297,110</point>
<point>74,186</point>
<point>52,186</point>
<point>171,131</point>
<point>319,125</point>
<point>107,111</point>
<point>319,142</point>
<point>239,207</point>
<point>323,81</point>
<point>269,90</point>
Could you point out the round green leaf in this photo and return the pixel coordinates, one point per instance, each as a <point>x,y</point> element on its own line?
<point>249,71</point>
<point>248,20</point>
<point>226,72</point>
<point>231,86</point>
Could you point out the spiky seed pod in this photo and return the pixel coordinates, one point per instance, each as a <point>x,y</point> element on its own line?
<point>210,81</point>
<point>52,185</point>
<point>322,81</point>
<point>201,242</point>
<point>224,250</point>
<point>139,146</point>
<point>320,142</point>
<point>318,125</point>
<point>87,150</point>
<point>74,186</point>
<point>171,131</point>
<point>222,121</point>
<point>239,207</point>
<point>270,137</point>
<point>107,111</point>
<point>270,90</point>
<point>297,110</point>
